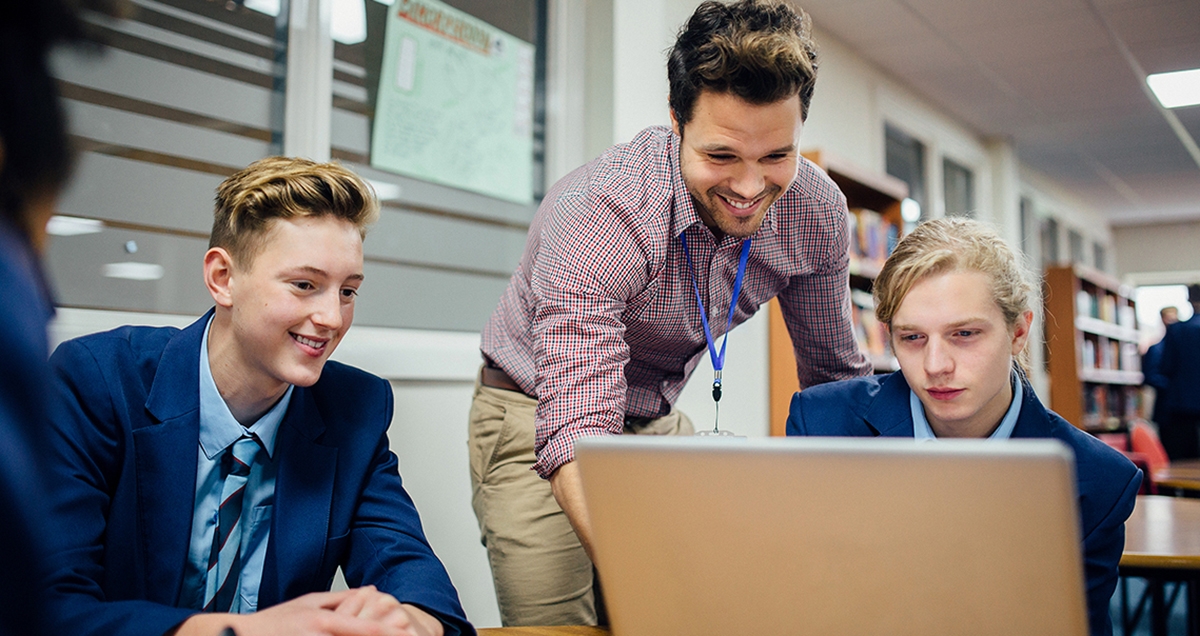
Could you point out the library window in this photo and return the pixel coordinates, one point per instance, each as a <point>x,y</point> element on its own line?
<point>1075,245</point>
<point>959,184</point>
<point>905,158</point>
<point>1049,242</point>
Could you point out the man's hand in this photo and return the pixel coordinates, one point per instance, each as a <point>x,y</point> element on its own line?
<point>359,612</point>
<point>568,491</point>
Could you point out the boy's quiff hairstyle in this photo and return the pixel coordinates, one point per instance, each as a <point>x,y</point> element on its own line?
<point>955,244</point>
<point>284,188</point>
<point>759,50</point>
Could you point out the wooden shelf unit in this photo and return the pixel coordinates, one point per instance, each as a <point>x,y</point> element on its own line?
<point>1091,349</point>
<point>879,193</point>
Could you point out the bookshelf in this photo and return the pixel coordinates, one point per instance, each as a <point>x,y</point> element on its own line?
<point>1091,349</point>
<point>875,224</point>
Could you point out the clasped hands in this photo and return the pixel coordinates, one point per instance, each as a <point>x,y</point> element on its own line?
<point>363,611</point>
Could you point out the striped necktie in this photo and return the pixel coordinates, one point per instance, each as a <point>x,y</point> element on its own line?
<point>225,560</point>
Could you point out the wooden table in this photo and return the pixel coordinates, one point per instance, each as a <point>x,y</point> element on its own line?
<point>544,631</point>
<point>1162,544</point>
<point>1180,475</point>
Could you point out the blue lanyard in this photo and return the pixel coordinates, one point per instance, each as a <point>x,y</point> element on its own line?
<point>718,360</point>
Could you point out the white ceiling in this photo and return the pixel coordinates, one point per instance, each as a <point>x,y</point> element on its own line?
<point>1062,79</point>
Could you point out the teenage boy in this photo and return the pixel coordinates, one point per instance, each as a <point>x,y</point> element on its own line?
<point>959,304</point>
<point>217,476</point>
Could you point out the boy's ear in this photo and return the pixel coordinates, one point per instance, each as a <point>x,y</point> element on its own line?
<point>218,275</point>
<point>1021,331</point>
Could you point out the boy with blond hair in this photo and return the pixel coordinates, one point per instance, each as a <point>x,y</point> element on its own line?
<point>958,304</point>
<point>215,477</point>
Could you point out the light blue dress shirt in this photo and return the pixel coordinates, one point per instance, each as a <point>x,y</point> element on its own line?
<point>218,431</point>
<point>921,429</point>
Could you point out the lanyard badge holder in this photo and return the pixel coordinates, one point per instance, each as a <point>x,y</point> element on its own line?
<point>718,360</point>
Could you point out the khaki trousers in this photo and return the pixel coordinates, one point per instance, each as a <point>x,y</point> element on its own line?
<point>541,572</point>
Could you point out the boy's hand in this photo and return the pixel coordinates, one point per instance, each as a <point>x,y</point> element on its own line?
<point>370,604</point>
<point>358,612</point>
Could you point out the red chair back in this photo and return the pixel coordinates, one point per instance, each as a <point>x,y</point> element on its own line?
<point>1144,440</point>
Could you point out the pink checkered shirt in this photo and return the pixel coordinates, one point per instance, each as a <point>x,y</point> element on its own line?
<point>600,321</point>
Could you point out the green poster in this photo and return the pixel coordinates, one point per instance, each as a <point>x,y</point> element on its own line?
<point>455,102</point>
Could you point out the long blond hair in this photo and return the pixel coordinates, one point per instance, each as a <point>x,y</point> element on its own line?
<point>953,244</point>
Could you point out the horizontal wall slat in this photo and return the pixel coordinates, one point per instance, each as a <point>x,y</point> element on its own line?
<point>139,36</point>
<point>397,296</point>
<point>128,104</point>
<point>240,17</point>
<point>408,236</point>
<point>105,187</point>
<point>425,195</point>
<point>159,82</point>
<point>76,268</point>
<point>199,28</point>
<point>139,131</point>
<point>148,48</point>
<point>351,131</point>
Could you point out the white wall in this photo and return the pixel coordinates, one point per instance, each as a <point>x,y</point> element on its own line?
<point>1159,254</point>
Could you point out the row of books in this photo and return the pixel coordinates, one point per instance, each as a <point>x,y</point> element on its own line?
<point>1110,354</point>
<point>1106,407</point>
<point>1106,307</point>
<point>870,333</point>
<point>871,237</point>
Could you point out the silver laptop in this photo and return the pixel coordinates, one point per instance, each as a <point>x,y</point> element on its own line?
<point>698,536</point>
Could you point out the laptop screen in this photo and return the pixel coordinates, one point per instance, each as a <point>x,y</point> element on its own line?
<point>835,536</point>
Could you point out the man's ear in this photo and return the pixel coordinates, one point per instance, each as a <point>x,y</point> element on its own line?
<point>218,275</point>
<point>675,123</point>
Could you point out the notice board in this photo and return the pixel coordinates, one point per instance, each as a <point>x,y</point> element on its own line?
<point>455,102</point>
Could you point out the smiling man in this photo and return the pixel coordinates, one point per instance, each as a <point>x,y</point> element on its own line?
<point>217,476</point>
<point>630,260</point>
<point>959,304</point>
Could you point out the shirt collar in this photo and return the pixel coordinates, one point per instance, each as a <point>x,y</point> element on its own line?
<point>922,430</point>
<point>219,429</point>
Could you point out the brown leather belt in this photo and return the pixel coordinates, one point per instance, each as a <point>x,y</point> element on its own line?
<point>496,378</point>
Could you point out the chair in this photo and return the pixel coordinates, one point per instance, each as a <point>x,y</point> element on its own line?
<point>1144,441</point>
<point>1146,447</point>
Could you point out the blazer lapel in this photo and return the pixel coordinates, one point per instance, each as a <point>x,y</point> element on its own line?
<point>1032,422</point>
<point>303,496</point>
<point>165,447</point>
<point>889,412</point>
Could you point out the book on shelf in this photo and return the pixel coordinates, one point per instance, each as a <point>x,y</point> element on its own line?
<point>868,331</point>
<point>871,237</point>
<point>1107,407</point>
<point>1099,304</point>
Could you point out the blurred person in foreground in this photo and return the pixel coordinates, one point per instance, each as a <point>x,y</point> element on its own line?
<point>35,162</point>
<point>958,304</point>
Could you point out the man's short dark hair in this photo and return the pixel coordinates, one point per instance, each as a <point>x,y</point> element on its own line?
<point>759,50</point>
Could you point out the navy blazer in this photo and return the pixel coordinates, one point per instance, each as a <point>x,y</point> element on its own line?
<point>1181,366</point>
<point>24,310</point>
<point>123,465</point>
<point>1106,481</point>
